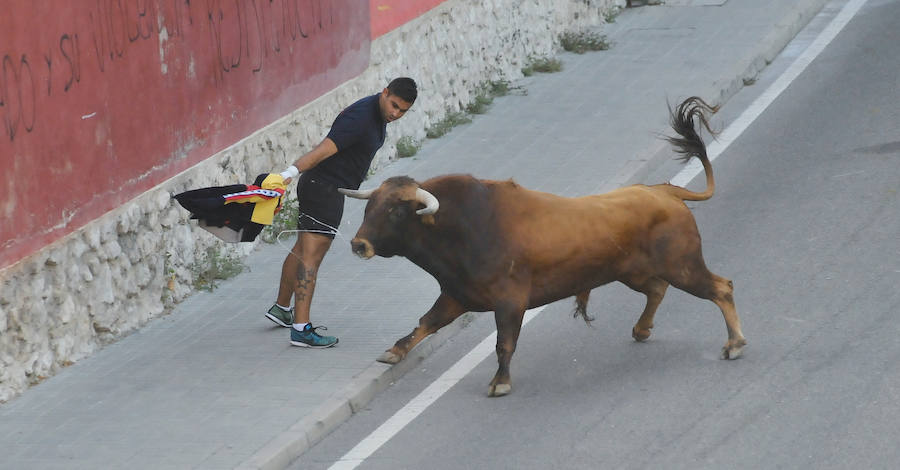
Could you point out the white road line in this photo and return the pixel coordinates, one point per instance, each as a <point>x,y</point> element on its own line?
<point>736,128</point>
<point>417,405</point>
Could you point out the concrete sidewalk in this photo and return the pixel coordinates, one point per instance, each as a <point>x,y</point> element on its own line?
<point>216,385</point>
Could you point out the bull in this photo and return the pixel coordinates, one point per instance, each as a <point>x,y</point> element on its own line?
<point>493,246</point>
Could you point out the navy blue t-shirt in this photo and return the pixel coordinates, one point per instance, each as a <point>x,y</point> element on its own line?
<point>358,131</point>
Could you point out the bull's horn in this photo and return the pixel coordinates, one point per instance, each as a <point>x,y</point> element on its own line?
<point>355,193</point>
<point>431,202</point>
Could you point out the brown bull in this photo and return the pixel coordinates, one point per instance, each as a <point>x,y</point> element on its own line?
<point>495,245</point>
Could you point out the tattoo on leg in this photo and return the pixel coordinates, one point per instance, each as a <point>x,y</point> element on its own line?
<point>305,279</point>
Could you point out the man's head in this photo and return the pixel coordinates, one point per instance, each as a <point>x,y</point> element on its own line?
<point>397,98</point>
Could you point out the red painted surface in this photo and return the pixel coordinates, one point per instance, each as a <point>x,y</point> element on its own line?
<point>387,15</point>
<point>101,100</point>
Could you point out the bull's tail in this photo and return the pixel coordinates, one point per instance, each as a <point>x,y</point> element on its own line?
<point>684,120</point>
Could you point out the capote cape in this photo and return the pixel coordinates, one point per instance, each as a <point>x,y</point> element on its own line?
<point>237,212</point>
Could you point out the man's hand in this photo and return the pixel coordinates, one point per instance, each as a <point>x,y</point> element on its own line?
<point>290,173</point>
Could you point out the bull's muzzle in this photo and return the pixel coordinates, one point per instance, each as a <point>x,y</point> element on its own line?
<point>363,248</point>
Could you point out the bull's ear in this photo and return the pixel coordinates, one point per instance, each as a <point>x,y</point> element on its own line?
<point>428,219</point>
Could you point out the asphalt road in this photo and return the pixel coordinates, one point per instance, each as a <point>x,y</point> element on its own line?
<point>806,221</point>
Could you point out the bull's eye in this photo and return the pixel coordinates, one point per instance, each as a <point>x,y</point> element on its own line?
<point>398,213</point>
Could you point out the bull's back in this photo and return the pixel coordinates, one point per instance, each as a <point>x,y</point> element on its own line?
<point>571,244</point>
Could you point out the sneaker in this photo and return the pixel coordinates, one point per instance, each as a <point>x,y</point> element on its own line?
<point>308,338</point>
<point>280,316</point>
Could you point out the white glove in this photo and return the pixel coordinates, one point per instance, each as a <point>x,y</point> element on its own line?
<point>291,172</point>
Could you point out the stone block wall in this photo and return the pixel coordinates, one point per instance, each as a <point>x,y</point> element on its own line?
<point>136,262</point>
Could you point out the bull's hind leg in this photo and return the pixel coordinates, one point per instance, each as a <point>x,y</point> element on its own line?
<point>724,298</point>
<point>655,289</point>
<point>707,285</point>
<point>445,310</point>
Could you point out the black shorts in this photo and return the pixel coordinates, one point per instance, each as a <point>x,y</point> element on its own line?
<point>321,206</point>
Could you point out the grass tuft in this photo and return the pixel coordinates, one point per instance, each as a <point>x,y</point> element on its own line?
<point>481,104</point>
<point>214,266</point>
<point>285,219</point>
<point>407,146</point>
<point>542,65</point>
<point>610,14</point>
<point>581,42</point>
<point>444,126</point>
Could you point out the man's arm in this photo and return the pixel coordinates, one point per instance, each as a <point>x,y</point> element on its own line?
<point>309,161</point>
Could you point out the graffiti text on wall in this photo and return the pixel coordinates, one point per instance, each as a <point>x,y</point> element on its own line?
<point>265,28</point>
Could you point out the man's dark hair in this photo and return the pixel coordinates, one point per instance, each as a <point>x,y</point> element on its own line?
<point>405,88</point>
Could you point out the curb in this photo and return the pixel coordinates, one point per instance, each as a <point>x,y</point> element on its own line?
<point>782,33</point>
<point>301,436</point>
<point>290,444</point>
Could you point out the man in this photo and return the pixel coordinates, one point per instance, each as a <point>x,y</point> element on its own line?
<point>342,160</point>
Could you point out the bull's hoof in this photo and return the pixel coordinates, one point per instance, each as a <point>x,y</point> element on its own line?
<point>388,357</point>
<point>499,390</point>
<point>733,350</point>
<point>640,335</point>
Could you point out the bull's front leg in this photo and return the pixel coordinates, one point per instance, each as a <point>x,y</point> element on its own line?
<point>509,324</point>
<point>445,310</point>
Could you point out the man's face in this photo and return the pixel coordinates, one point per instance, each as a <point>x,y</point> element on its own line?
<point>392,106</point>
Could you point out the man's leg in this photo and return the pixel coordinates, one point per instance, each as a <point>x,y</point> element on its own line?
<point>288,275</point>
<point>305,256</point>
<point>311,248</point>
<point>281,313</point>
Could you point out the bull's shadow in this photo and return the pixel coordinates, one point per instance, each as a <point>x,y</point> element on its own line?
<point>496,246</point>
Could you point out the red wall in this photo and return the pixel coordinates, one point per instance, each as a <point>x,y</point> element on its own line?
<point>387,15</point>
<point>101,100</point>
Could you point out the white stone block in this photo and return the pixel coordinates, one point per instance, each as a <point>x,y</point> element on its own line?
<point>111,250</point>
<point>65,309</point>
<point>92,236</point>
